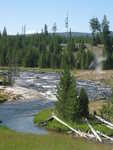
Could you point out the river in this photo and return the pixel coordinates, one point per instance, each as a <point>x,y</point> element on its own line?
<point>19,115</point>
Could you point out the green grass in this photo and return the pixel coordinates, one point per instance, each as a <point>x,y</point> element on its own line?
<point>40,69</point>
<point>33,69</point>
<point>54,125</point>
<point>10,140</point>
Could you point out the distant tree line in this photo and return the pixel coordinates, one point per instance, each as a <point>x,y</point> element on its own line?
<point>48,50</point>
<point>43,50</point>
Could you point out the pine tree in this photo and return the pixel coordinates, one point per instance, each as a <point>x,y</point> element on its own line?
<point>54,28</point>
<point>31,58</point>
<point>83,103</point>
<point>70,53</point>
<point>71,108</point>
<point>67,96</point>
<point>108,49</point>
<point>4,32</point>
<point>83,58</point>
<point>96,29</point>
<point>46,29</point>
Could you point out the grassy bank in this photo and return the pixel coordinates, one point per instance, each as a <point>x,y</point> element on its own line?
<point>10,140</point>
<point>40,69</point>
<point>33,69</point>
<point>54,125</point>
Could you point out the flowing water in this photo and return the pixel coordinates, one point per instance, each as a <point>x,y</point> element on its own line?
<point>19,115</point>
<point>46,84</point>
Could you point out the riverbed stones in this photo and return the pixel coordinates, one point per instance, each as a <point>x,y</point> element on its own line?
<point>34,85</point>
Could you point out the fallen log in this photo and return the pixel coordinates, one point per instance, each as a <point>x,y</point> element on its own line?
<point>65,124</point>
<point>105,136</point>
<point>44,123</point>
<point>108,124</point>
<point>78,132</point>
<point>93,131</point>
<point>81,134</point>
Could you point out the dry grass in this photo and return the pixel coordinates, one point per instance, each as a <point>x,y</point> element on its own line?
<point>96,106</point>
<point>105,76</point>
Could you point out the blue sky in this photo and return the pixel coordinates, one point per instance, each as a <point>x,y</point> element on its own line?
<point>35,13</point>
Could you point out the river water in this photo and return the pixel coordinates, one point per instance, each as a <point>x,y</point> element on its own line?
<point>19,115</point>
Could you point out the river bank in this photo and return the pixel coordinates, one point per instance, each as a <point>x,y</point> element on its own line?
<point>16,93</point>
<point>81,125</point>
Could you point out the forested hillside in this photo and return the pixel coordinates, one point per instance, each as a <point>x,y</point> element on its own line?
<point>47,50</point>
<point>41,50</point>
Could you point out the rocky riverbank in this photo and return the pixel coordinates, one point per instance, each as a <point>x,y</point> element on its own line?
<point>34,85</point>
<point>17,93</point>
